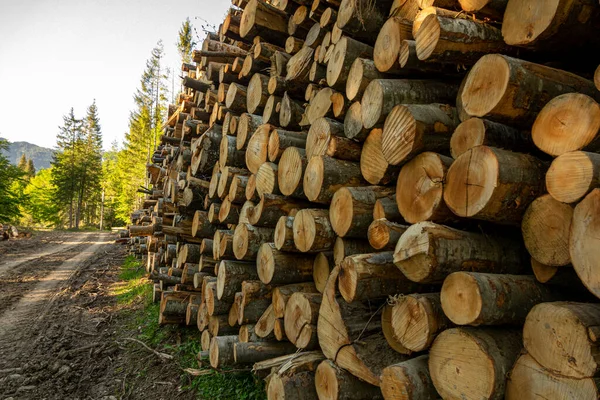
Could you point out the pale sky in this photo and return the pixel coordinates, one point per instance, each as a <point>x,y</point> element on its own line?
<point>58,54</point>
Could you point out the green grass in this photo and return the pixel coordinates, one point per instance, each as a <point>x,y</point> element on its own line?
<point>183,342</point>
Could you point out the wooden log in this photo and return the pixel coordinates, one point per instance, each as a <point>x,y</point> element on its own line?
<point>321,269</point>
<point>352,15</point>
<point>293,45</point>
<point>236,97</point>
<point>579,128</point>
<point>500,184</point>
<point>276,267</point>
<point>301,315</point>
<point>361,73</point>
<point>314,37</point>
<point>297,386</point>
<point>227,174</point>
<point>257,93</point>
<point>280,140</point>
<point>234,311</point>
<point>546,228</point>
<point>506,80</point>
<point>266,179</point>
<point>573,175</point>
<point>205,339</point>
<point>408,380</point>
<point>215,306</point>
<point>218,325</point>
<point>344,54</point>
<point>451,40</point>
<point>272,207</point>
<point>412,129</point>
<point>230,276</point>
<point>381,95</point>
<point>419,190</point>
<point>383,234</point>
<point>340,325</point>
<point>373,166</point>
<point>201,226</point>
<point>291,112</point>
<point>262,19</point>
<point>389,39</point>
<point>249,353</point>
<point>324,175</point>
<point>472,298</point>
<point>270,112</point>
<point>351,209</point>
<point>562,337</point>
<point>251,311</point>
<point>312,231</point>
<point>428,252</point>
<point>476,132</point>
<point>320,105</point>
<point>265,324</point>
<point>334,383</point>
<point>258,147</point>
<point>290,173</point>
<point>221,350</point>
<point>416,320</point>
<point>281,295</point>
<point>283,237</point>
<point>278,86</point>
<point>529,380</point>
<point>353,126</point>
<point>325,137</point>
<point>373,276</point>
<point>229,155</point>
<point>546,27</point>
<point>461,353</point>
<point>246,127</point>
<point>345,247</point>
<point>247,240</point>
<point>237,189</point>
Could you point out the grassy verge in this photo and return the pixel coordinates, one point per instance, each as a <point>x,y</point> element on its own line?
<point>135,292</point>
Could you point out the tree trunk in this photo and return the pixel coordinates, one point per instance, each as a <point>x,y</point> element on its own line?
<point>301,315</point>
<point>230,277</point>
<point>312,231</point>
<point>281,295</point>
<point>461,356</point>
<point>493,184</point>
<point>246,127</point>
<point>292,164</point>
<point>326,137</point>
<point>221,350</point>
<point>249,353</point>
<point>345,52</point>
<point>563,336</point>
<point>428,253</point>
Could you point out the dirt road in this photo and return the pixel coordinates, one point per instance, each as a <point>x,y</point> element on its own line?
<point>63,334</point>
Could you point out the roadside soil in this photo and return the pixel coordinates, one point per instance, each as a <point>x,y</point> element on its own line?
<point>62,333</point>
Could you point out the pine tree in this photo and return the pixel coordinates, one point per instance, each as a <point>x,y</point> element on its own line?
<point>30,169</point>
<point>22,163</point>
<point>186,42</point>
<point>66,164</point>
<point>90,167</point>
<point>10,177</point>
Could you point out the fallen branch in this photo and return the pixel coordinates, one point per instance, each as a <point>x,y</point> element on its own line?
<point>162,356</point>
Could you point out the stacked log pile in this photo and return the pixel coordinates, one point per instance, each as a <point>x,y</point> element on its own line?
<point>338,194</point>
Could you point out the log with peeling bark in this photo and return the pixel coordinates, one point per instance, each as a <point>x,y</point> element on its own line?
<point>351,335</point>
<point>276,267</point>
<point>473,298</point>
<point>428,252</point>
<point>413,128</point>
<point>546,228</point>
<point>351,209</point>
<point>506,80</point>
<point>460,355</point>
<point>562,337</point>
<point>529,380</point>
<point>384,235</point>
<point>477,131</point>
<point>334,383</point>
<point>408,380</point>
<point>493,184</point>
<point>579,129</point>
<point>420,187</point>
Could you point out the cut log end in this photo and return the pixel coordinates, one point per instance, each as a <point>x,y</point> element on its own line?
<point>321,270</point>
<point>462,298</point>
<point>572,175</point>
<point>467,135</point>
<point>289,174</point>
<point>485,85</point>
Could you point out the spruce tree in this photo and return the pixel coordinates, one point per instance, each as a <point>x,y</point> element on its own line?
<point>10,177</point>
<point>30,169</point>
<point>22,163</point>
<point>90,166</point>
<point>186,42</point>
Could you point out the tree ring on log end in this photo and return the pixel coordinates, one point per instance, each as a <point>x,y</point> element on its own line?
<point>571,176</point>
<point>467,135</point>
<point>341,211</point>
<point>289,174</point>
<point>525,20</point>
<point>485,85</point>
<point>313,179</point>
<point>461,292</point>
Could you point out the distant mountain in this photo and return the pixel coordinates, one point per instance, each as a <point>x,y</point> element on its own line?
<point>41,156</point>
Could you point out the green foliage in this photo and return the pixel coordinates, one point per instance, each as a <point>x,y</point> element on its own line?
<point>186,42</point>
<point>229,386</point>
<point>40,209</point>
<point>11,187</point>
